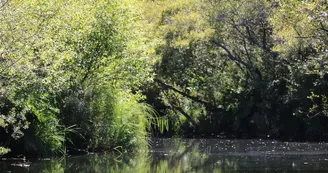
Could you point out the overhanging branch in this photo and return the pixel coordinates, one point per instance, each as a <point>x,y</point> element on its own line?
<point>194,98</point>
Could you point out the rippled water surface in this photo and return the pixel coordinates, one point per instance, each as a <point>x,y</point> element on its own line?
<point>193,155</point>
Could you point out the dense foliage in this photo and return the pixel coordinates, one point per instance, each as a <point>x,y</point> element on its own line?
<point>69,76</point>
<point>254,68</point>
<point>79,74</point>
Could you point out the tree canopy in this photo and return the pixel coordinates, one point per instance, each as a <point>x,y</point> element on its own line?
<point>106,75</point>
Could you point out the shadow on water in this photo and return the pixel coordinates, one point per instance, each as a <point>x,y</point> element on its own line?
<point>194,155</point>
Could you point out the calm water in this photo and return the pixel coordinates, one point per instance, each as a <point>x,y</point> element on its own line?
<point>195,155</point>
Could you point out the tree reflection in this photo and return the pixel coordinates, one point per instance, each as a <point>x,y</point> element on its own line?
<point>179,155</point>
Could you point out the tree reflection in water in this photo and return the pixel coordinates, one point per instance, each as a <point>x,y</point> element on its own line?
<point>195,155</point>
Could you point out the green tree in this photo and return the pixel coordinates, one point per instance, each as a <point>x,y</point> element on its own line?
<point>56,57</point>
<point>242,67</point>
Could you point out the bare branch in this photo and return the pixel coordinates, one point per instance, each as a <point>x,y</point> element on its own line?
<point>182,93</point>
<point>3,3</point>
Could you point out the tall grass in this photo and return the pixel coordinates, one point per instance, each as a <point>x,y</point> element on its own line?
<point>121,122</point>
<point>108,119</point>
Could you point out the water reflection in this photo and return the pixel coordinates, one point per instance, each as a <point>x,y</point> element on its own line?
<point>195,155</point>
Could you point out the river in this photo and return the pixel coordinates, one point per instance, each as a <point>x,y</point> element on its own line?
<point>192,155</point>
